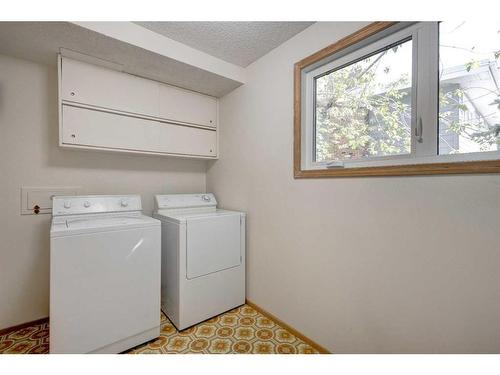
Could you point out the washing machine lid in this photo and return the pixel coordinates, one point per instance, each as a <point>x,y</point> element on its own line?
<point>103,222</point>
<point>84,224</point>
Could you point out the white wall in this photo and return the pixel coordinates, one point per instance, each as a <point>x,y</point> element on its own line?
<point>402,264</point>
<point>30,156</point>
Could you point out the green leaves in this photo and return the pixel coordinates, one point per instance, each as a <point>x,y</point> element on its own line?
<point>473,64</point>
<point>359,114</point>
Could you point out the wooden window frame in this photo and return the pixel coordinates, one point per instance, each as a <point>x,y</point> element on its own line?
<point>458,167</point>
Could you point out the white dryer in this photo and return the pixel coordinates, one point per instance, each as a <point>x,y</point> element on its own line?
<point>203,258</point>
<point>104,274</point>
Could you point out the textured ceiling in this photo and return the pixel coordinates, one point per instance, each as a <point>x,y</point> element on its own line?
<point>41,41</point>
<point>240,43</point>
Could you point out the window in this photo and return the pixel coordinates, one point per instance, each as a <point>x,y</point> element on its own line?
<point>401,98</point>
<point>469,81</point>
<point>363,109</point>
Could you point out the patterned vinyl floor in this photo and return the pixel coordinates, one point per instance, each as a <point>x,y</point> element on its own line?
<point>241,330</point>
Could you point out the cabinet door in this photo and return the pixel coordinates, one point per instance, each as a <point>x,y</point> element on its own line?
<point>97,86</point>
<point>187,106</point>
<point>92,128</point>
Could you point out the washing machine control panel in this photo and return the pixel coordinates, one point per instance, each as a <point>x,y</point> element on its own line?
<point>89,204</point>
<point>185,200</point>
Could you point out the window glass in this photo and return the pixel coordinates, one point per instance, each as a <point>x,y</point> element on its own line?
<point>363,109</point>
<point>469,95</point>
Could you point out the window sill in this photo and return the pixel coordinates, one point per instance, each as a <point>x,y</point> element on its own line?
<point>462,167</point>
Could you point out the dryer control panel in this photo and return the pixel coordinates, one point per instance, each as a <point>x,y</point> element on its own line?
<point>185,200</point>
<point>93,204</point>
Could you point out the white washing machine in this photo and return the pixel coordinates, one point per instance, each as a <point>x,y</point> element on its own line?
<point>203,258</point>
<point>104,274</point>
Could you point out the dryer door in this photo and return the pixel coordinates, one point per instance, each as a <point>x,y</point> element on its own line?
<point>213,244</point>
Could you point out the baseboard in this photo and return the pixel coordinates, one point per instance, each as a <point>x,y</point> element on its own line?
<point>4,331</point>
<point>296,333</point>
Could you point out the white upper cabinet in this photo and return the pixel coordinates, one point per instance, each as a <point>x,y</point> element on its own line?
<point>97,86</point>
<point>103,130</point>
<point>187,107</point>
<point>103,109</point>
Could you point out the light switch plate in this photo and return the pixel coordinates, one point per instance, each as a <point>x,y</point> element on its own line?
<point>42,197</point>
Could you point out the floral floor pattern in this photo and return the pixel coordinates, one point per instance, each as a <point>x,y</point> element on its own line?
<point>242,330</point>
